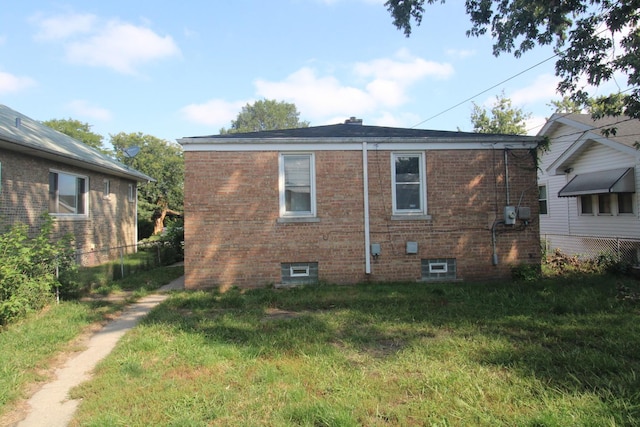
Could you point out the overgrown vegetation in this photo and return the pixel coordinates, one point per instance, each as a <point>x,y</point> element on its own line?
<point>551,352</point>
<point>28,269</point>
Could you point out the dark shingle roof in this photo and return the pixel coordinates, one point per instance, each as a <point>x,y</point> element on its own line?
<point>341,131</point>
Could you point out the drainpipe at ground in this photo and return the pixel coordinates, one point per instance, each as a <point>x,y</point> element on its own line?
<point>365,184</point>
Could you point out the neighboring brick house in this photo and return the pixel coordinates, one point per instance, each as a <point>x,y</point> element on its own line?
<point>349,203</point>
<point>88,194</point>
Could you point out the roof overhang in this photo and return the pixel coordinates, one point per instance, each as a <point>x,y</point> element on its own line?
<point>621,180</point>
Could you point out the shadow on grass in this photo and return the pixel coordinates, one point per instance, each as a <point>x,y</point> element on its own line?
<point>573,335</point>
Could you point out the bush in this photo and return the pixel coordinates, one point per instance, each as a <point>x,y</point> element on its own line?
<point>29,267</point>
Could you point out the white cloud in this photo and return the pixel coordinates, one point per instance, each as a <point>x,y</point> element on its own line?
<point>60,27</point>
<point>381,83</point>
<point>215,112</point>
<point>542,89</point>
<point>404,68</point>
<point>10,83</point>
<point>83,108</point>
<point>316,96</point>
<point>118,45</point>
<point>460,53</point>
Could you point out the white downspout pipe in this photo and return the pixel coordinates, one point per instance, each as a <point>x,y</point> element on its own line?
<point>365,184</point>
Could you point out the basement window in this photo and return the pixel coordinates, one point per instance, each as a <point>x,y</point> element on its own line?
<point>299,273</point>
<point>438,269</point>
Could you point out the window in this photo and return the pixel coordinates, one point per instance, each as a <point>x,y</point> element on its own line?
<point>542,199</point>
<point>586,206</point>
<point>297,185</point>
<point>604,204</point>
<point>67,194</point>
<point>625,203</point>
<point>132,193</point>
<point>408,183</point>
<point>107,189</point>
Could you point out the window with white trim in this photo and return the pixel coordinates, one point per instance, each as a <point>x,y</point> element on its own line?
<point>106,192</point>
<point>625,203</point>
<point>68,193</point>
<point>297,185</point>
<point>132,193</point>
<point>542,199</point>
<point>408,183</point>
<point>586,204</point>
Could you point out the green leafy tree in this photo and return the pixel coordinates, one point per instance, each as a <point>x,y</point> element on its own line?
<point>78,130</point>
<point>161,160</point>
<point>566,106</point>
<point>582,32</point>
<point>266,114</point>
<point>502,118</point>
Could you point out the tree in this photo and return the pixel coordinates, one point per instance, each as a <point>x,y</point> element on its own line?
<point>161,160</point>
<point>266,114</point>
<point>566,106</point>
<point>78,130</point>
<point>593,38</point>
<point>503,118</point>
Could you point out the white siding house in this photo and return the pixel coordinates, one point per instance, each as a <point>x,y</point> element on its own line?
<point>589,184</point>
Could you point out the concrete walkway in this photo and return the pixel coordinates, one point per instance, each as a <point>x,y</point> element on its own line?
<point>51,406</point>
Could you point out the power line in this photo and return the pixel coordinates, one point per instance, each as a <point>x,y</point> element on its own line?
<point>486,90</point>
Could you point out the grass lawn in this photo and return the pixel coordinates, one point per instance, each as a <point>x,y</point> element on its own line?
<point>30,347</point>
<point>550,353</point>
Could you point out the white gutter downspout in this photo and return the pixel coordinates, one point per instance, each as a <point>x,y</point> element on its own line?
<point>365,184</point>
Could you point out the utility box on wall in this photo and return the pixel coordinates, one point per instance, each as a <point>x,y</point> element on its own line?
<point>510,215</point>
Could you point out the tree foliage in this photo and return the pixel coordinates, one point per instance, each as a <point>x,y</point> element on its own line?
<point>503,118</point>
<point>77,130</point>
<point>594,39</point>
<point>161,160</point>
<point>266,114</point>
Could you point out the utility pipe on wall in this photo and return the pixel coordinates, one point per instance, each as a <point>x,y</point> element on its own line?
<point>365,185</point>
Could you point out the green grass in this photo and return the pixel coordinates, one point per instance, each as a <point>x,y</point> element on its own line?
<point>28,347</point>
<point>552,353</point>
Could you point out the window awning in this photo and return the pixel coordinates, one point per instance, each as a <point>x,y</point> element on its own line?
<point>611,181</point>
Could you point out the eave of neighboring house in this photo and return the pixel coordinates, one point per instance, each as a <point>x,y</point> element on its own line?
<point>589,131</point>
<point>22,134</point>
<point>350,136</point>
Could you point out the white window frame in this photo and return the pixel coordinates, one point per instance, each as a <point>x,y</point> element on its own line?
<point>422,182</point>
<point>299,271</point>
<point>438,267</point>
<point>131,196</point>
<point>617,203</point>
<point>106,192</point>
<point>545,199</point>
<point>282,186</point>
<point>581,207</point>
<point>84,203</point>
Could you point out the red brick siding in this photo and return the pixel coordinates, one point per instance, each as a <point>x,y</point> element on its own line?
<point>232,236</point>
<point>24,197</point>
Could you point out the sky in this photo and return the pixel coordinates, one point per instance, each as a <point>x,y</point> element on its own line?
<point>179,69</point>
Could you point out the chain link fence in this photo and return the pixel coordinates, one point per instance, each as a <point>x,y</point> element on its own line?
<point>589,247</point>
<point>121,261</point>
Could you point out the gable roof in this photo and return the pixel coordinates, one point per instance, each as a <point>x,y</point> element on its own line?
<point>23,134</point>
<point>357,133</point>
<point>588,131</point>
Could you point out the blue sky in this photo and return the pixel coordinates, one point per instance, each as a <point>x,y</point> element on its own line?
<point>173,69</point>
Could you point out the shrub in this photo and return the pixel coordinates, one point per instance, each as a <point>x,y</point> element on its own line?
<point>29,268</point>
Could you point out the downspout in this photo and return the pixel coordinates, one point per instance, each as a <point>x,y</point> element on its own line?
<point>506,175</point>
<point>365,185</point>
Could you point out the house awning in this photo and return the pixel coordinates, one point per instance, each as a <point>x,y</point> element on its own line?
<point>611,181</point>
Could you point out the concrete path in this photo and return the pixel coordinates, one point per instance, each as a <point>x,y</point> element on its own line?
<point>51,405</point>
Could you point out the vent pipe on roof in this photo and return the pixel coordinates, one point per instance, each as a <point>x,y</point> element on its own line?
<point>353,121</point>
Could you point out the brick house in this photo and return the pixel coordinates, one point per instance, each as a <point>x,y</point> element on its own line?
<point>349,203</point>
<point>88,194</point>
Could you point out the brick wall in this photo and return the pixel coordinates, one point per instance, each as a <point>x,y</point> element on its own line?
<point>24,197</point>
<point>232,236</point>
